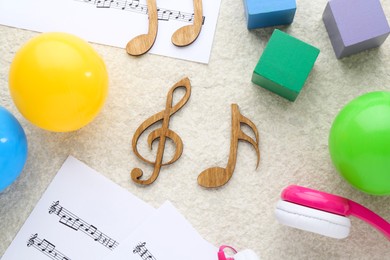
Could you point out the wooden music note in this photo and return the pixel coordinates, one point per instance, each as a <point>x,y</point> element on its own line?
<point>187,34</point>
<point>144,42</point>
<point>218,176</point>
<point>161,134</point>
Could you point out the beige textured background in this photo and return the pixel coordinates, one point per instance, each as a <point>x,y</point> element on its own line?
<point>293,137</point>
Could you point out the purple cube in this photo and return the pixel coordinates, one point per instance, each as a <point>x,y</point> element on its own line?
<point>355,25</point>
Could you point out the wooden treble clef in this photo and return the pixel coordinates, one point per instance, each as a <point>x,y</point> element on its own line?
<point>218,176</point>
<point>161,133</point>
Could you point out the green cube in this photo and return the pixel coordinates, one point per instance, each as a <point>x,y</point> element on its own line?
<point>285,65</point>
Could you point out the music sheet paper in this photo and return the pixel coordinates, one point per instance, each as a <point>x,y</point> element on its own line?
<point>167,235</point>
<point>115,22</point>
<point>82,215</point>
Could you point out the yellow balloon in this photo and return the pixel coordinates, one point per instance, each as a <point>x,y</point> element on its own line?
<point>58,82</point>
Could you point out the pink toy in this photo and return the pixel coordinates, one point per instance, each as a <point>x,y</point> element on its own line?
<point>323,213</point>
<point>246,254</point>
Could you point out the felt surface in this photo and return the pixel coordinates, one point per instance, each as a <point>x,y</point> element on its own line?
<point>293,137</point>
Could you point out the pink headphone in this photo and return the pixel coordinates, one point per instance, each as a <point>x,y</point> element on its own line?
<point>246,254</point>
<point>323,213</point>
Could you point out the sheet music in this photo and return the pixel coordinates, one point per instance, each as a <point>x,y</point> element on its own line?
<point>136,7</point>
<point>81,215</point>
<point>46,248</point>
<point>166,235</point>
<point>115,22</point>
<point>76,223</point>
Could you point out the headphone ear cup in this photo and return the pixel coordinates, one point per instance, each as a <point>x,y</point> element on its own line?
<point>313,220</point>
<point>246,254</point>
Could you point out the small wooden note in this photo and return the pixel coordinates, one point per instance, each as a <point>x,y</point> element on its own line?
<point>182,37</point>
<point>144,42</point>
<point>187,34</point>
<point>218,176</point>
<point>161,133</point>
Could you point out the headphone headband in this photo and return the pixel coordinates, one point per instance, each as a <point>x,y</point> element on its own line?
<point>316,199</point>
<point>334,204</point>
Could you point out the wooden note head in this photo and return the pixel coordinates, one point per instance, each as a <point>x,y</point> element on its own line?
<point>140,44</point>
<point>185,35</point>
<point>213,177</point>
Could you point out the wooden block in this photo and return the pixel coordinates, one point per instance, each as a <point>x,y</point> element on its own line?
<point>355,25</point>
<point>285,65</point>
<point>267,13</point>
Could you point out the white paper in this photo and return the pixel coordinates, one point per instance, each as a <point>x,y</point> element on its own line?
<point>82,215</point>
<point>167,235</point>
<point>115,24</point>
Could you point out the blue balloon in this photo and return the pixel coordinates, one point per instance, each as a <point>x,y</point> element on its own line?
<point>13,148</point>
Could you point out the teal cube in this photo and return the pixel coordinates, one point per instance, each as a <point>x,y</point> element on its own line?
<point>285,65</point>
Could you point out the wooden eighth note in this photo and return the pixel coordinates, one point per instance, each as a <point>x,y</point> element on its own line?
<point>218,176</point>
<point>187,34</point>
<point>144,42</point>
<point>161,133</point>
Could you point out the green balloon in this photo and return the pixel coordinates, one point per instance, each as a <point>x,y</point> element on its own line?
<point>359,143</point>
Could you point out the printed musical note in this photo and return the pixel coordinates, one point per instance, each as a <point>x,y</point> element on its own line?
<point>134,3</point>
<point>104,3</point>
<point>143,252</point>
<point>91,230</point>
<point>138,247</point>
<point>74,222</point>
<point>120,5</point>
<point>55,208</point>
<point>45,247</point>
<point>218,176</point>
<point>136,7</point>
<point>32,239</point>
<point>188,34</point>
<point>163,14</point>
<point>161,133</point>
<point>142,43</point>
